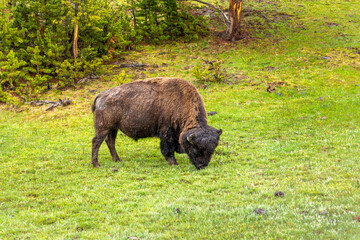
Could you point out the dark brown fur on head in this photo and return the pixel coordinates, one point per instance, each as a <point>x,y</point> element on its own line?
<point>200,143</point>
<point>169,108</point>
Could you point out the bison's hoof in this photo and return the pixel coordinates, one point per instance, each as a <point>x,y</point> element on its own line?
<point>96,165</point>
<point>118,160</point>
<point>173,162</point>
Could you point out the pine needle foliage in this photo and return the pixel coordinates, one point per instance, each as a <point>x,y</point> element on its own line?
<point>54,44</point>
<point>159,20</point>
<point>38,37</point>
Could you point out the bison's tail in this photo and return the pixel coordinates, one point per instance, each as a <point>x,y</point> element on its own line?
<point>93,105</point>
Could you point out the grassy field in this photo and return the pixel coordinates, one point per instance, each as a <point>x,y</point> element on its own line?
<point>302,137</point>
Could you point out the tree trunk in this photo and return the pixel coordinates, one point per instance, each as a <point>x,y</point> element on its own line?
<point>76,32</point>
<point>234,32</point>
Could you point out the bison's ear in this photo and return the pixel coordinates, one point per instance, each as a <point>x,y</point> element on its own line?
<point>219,132</point>
<point>190,139</point>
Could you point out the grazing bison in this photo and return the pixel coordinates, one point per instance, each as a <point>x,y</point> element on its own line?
<point>169,108</point>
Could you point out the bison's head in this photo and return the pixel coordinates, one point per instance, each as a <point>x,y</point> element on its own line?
<point>200,144</point>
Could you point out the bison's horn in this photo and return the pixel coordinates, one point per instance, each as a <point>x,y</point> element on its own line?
<point>191,139</point>
<point>220,132</point>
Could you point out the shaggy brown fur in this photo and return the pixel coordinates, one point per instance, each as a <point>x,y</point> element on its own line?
<point>167,108</point>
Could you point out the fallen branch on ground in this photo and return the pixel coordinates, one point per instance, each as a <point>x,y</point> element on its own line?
<point>52,104</point>
<point>130,65</point>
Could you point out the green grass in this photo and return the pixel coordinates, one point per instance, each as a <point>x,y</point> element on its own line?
<point>303,139</point>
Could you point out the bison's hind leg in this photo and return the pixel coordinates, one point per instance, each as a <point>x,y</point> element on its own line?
<point>110,141</point>
<point>96,143</point>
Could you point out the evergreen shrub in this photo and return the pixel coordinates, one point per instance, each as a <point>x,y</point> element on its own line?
<point>46,44</point>
<point>159,20</point>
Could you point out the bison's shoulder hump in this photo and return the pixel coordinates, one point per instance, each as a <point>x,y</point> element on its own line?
<point>168,81</point>
<point>172,85</point>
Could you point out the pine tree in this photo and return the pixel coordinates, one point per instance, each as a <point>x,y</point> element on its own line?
<point>57,41</point>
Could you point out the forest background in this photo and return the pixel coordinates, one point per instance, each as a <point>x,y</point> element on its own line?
<point>54,44</point>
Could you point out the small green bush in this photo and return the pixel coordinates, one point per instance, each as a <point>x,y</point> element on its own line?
<point>208,72</point>
<point>120,78</point>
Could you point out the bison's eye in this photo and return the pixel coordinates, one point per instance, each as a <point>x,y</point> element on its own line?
<point>194,151</point>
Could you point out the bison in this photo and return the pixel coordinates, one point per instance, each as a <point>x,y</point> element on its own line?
<point>168,108</point>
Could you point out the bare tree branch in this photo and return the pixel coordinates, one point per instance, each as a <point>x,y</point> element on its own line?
<point>227,21</point>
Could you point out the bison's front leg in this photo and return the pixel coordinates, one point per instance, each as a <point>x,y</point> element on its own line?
<point>110,141</point>
<point>167,150</point>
